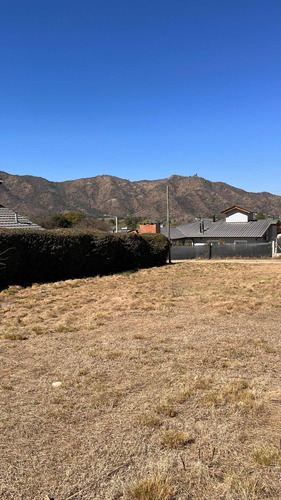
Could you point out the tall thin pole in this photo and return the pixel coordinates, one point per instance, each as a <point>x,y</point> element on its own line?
<point>116,221</point>
<point>168,225</point>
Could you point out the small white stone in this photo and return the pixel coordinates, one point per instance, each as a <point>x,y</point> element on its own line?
<point>56,384</point>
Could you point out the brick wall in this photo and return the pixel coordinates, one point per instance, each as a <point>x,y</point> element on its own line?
<point>150,228</point>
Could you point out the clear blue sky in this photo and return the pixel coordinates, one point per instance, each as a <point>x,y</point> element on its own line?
<point>142,89</point>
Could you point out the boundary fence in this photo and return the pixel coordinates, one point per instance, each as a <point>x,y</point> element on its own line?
<point>211,251</point>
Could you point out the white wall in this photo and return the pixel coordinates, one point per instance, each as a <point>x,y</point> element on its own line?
<point>236,217</point>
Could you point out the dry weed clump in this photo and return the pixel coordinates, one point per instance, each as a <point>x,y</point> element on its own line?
<point>237,393</point>
<point>113,354</point>
<point>266,455</point>
<point>150,420</point>
<point>14,336</point>
<point>262,344</point>
<point>11,290</point>
<point>166,410</point>
<point>176,439</point>
<point>140,336</point>
<point>182,396</point>
<point>155,488</point>
<point>248,488</point>
<point>62,329</point>
<point>191,390</point>
<point>240,394</point>
<point>108,398</point>
<point>39,330</point>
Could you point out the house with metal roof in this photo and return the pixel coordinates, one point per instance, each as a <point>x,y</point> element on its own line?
<point>13,220</point>
<point>239,226</point>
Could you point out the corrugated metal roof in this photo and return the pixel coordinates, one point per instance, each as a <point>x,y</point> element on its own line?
<point>175,232</point>
<point>250,229</point>
<point>12,220</point>
<point>222,229</point>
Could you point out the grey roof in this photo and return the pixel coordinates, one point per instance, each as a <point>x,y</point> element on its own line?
<point>12,220</point>
<point>175,232</point>
<point>222,229</point>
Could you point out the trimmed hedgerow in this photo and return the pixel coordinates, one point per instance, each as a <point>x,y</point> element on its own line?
<point>159,246</point>
<point>28,257</point>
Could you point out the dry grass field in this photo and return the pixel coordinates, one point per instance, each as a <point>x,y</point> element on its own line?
<point>169,385</point>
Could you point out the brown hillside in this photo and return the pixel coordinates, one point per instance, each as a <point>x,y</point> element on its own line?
<point>104,194</point>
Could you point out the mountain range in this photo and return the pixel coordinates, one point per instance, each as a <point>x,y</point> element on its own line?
<point>104,194</point>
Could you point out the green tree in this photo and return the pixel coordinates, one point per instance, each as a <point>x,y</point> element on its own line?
<point>93,223</point>
<point>132,222</point>
<point>59,220</point>
<point>74,217</point>
<point>52,221</point>
<point>260,215</point>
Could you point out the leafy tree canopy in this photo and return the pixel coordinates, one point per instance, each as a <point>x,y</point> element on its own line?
<point>59,220</point>
<point>132,222</point>
<point>260,215</point>
<point>74,217</point>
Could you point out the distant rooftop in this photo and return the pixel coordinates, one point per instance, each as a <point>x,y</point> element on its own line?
<point>246,210</point>
<point>13,220</point>
<point>221,229</point>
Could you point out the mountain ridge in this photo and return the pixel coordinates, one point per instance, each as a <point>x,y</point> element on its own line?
<point>105,194</point>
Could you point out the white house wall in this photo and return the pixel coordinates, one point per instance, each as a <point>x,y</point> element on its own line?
<point>236,217</point>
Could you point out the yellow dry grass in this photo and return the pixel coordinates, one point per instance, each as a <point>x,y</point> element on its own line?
<point>170,385</point>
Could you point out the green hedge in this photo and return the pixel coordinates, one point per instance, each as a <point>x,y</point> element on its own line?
<point>28,257</point>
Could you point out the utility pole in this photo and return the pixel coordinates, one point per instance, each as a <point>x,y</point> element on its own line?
<point>168,225</point>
